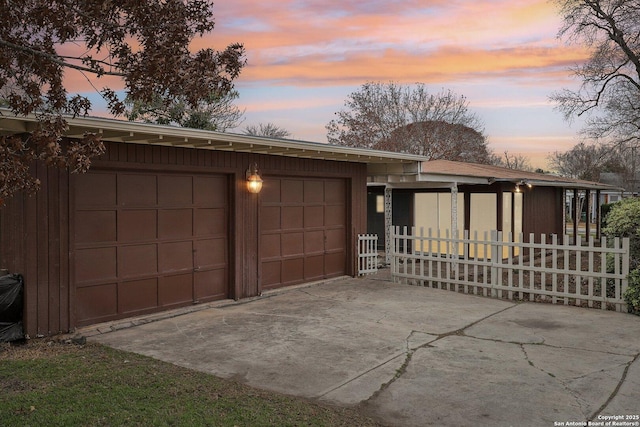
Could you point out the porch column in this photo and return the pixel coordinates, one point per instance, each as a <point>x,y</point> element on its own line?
<point>388,219</point>
<point>576,215</point>
<point>454,228</point>
<point>598,216</point>
<point>587,224</point>
<point>454,209</point>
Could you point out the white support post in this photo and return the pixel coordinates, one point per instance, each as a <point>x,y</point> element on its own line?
<point>388,223</point>
<point>454,228</point>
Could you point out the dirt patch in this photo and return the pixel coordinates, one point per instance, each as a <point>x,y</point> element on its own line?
<point>40,348</point>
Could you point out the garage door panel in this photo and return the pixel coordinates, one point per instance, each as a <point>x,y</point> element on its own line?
<point>208,222</point>
<point>175,290</point>
<point>210,285</point>
<point>335,192</point>
<point>96,302</point>
<point>210,252</point>
<point>271,190</point>
<point>137,260</point>
<point>270,246</point>
<point>137,225</point>
<point>137,190</point>
<point>210,191</point>
<point>175,190</point>
<point>292,217</point>
<point>291,191</point>
<point>270,218</point>
<point>334,215</point>
<point>137,295</point>
<point>314,267</point>
<point>95,264</point>
<point>335,239</point>
<point>271,274</point>
<point>314,242</point>
<point>95,226</point>
<point>175,256</point>
<point>313,216</point>
<point>335,264</point>
<point>175,223</point>
<point>293,270</point>
<point>293,244</point>
<point>314,191</point>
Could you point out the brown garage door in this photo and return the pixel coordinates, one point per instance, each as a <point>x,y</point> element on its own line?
<point>146,242</point>
<point>303,230</point>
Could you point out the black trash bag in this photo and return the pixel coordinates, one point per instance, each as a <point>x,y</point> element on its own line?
<point>11,294</point>
<point>11,331</point>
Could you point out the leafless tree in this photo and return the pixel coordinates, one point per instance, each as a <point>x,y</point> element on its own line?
<point>217,112</point>
<point>582,161</point>
<point>408,119</point>
<point>144,43</point>
<point>512,161</point>
<point>609,94</point>
<point>267,129</point>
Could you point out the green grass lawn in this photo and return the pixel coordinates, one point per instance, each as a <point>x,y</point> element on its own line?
<point>44,383</point>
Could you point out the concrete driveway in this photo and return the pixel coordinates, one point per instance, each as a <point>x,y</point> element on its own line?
<point>411,356</point>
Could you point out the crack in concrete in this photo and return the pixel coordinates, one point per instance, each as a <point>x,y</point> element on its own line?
<point>583,404</point>
<point>615,391</point>
<point>359,376</point>
<point>544,344</point>
<point>409,352</point>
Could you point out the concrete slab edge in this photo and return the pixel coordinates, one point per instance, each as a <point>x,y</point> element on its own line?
<point>116,325</point>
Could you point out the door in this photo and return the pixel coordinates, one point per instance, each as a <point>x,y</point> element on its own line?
<point>303,232</point>
<point>148,241</point>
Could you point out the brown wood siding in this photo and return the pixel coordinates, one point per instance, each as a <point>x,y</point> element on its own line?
<point>542,211</point>
<point>35,231</point>
<point>34,238</point>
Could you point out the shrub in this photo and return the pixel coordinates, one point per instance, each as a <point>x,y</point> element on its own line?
<point>632,294</point>
<point>623,220</point>
<point>605,208</point>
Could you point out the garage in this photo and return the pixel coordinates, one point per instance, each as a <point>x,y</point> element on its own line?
<point>147,241</point>
<point>166,218</point>
<point>303,230</point>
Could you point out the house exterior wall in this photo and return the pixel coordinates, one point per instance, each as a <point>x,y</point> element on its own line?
<point>537,210</point>
<point>36,232</point>
<point>543,209</point>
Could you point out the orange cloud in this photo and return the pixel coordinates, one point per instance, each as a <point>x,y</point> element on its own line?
<point>444,65</point>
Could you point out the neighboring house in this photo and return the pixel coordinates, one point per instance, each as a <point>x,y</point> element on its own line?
<point>455,196</point>
<point>164,219</point>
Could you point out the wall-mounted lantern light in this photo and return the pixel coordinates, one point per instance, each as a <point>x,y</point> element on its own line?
<point>254,182</point>
<point>523,183</point>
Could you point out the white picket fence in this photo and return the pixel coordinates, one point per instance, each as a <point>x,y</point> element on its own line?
<point>367,254</point>
<point>500,266</point>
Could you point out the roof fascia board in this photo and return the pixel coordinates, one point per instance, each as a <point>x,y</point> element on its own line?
<point>146,133</point>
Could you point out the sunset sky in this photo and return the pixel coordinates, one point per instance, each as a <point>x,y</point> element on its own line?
<point>306,56</point>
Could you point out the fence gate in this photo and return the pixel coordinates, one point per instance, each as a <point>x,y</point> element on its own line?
<point>367,254</point>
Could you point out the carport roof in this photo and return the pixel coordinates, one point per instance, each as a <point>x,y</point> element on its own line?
<point>172,136</point>
<point>446,173</point>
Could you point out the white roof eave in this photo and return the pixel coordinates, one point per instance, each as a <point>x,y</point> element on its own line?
<point>152,134</point>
